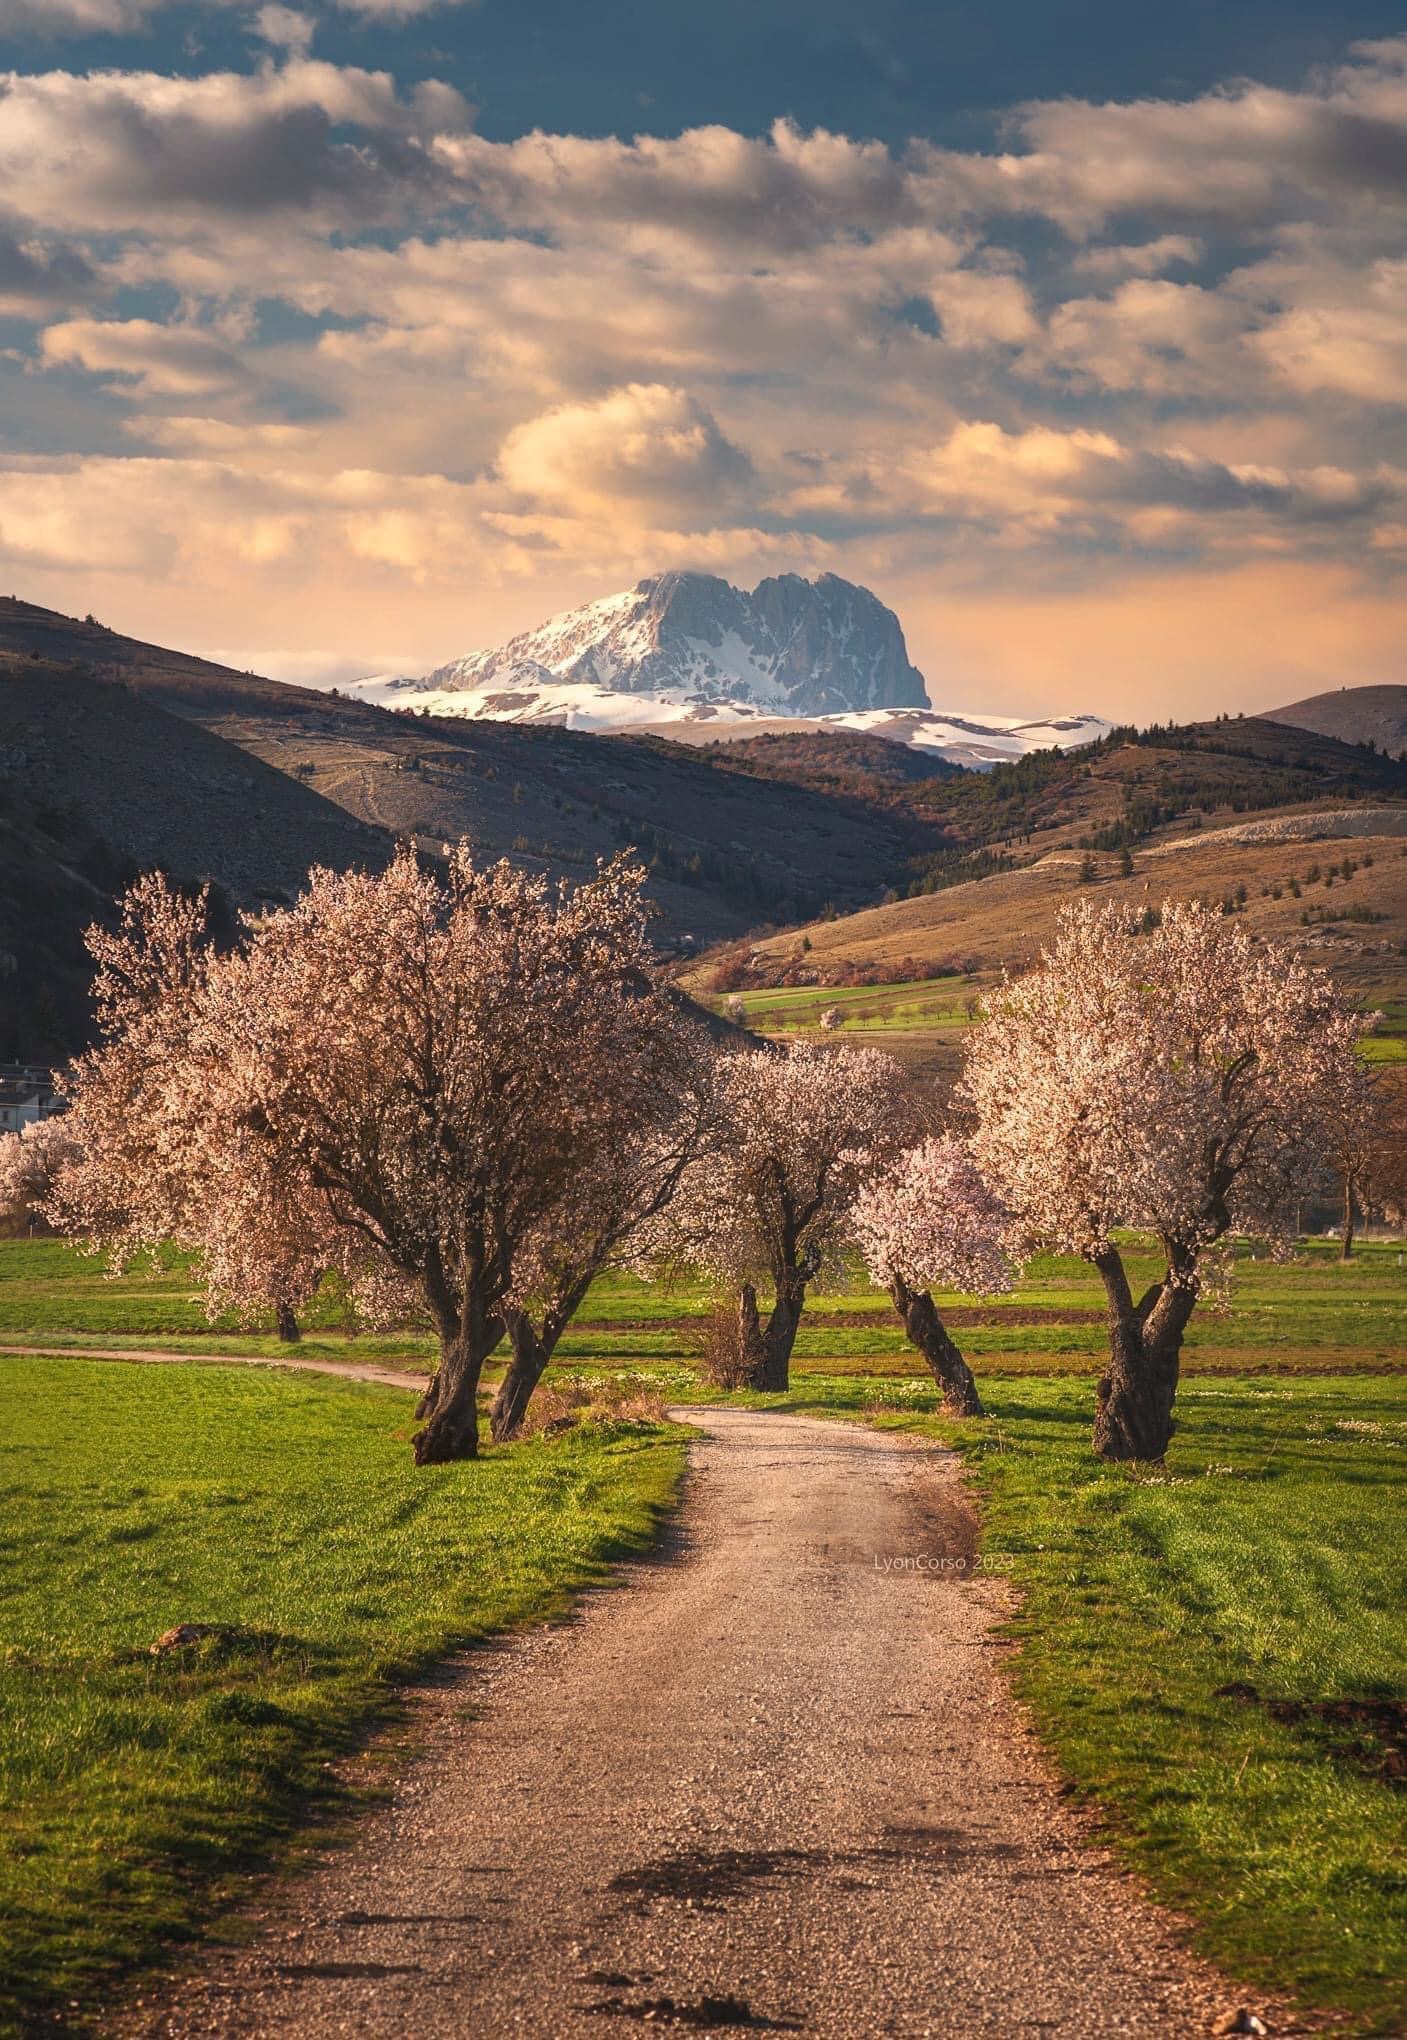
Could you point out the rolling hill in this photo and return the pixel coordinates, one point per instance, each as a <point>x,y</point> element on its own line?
<point>1128,788</point>
<point>1219,810</point>
<point>1355,715</point>
<point>97,784</point>
<point>725,853</point>
<point>123,754</point>
<point>909,975</point>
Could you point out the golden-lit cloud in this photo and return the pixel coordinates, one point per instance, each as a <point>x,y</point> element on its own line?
<point>299,343</point>
<point>646,449</point>
<point>151,359</point>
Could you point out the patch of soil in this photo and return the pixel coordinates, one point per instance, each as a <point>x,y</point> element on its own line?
<point>1370,1734</point>
<point>872,1320</point>
<point>709,2012</point>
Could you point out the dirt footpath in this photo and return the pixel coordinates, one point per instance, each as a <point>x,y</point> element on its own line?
<point>773,1782</point>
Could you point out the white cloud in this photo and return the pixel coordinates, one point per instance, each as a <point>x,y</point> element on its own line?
<point>1149,335</point>
<point>74,17</point>
<point>1141,258</point>
<point>37,273</point>
<point>786,190</point>
<point>284,28</point>
<point>981,310</point>
<point>142,151</point>
<point>1032,485</point>
<point>154,360</point>
<point>1335,329</point>
<point>646,447</point>
<point>187,434</point>
<point>397,355</point>
<point>1245,155</point>
<point>397,10</point>
<point>123,17</point>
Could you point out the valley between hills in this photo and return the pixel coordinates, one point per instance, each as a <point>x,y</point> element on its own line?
<point>795,869</point>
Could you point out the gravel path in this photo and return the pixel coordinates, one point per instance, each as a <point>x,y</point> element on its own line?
<point>154,1356</point>
<point>773,1781</point>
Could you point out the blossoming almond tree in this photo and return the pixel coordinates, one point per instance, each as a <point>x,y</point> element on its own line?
<point>1181,1082</point>
<point>930,1221</point>
<point>396,1078</point>
<point>802,1128</point>
<point>622,1185</point>
<point>139,1177</point>
<point>30,1162</point>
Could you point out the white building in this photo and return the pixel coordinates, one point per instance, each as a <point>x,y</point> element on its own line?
<point>26,1094</point>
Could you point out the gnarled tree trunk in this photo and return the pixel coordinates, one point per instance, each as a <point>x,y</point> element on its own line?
<point>287,1324</point>
<point>750,1335</point>
<point>450,1405</point>
<point>927,1332</point>
<point>533,1347</point>
<point>769,1346</point>
<point>525,1370</point>
<point>1134,1414</point>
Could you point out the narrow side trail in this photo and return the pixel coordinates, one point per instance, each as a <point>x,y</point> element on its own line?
<point>772,1781</point>
<point>155,1356</point>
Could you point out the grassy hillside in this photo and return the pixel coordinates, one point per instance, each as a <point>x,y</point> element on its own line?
<point>1373,715</point>
<point>97,784</point>
<point>1130,788</point>
<point>945,947</point>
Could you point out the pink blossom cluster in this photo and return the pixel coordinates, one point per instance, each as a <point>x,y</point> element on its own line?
<point>1180,1081</point>
<point>931,1220</point>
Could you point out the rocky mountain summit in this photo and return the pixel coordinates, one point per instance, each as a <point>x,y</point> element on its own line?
<point>790,647</point>
<point>692,657</point>
<point>793,646</point>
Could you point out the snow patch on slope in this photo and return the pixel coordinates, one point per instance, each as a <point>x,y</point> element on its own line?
<point>526,696</point>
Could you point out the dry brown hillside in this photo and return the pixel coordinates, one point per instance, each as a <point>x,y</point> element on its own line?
<point>1003,920</point>
<point>97,784</point>
<point>725,851</point>
<point>960,939</point>
<point>1356,715</point>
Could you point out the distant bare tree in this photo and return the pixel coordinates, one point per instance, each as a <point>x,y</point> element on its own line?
<point>1383,1180</point>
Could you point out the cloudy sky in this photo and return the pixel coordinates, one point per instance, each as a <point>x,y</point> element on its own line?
<point>350,335</point>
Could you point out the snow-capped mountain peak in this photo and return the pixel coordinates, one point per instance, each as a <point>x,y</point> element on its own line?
<point>688,649</point>
<point>793,646</point>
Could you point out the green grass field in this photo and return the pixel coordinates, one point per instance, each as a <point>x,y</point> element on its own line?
<point>941,1010</point>
<point>936,1003</point>
<point>1313,1312</point>
<point>133,1787</point>
<point>1268,1558</point>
